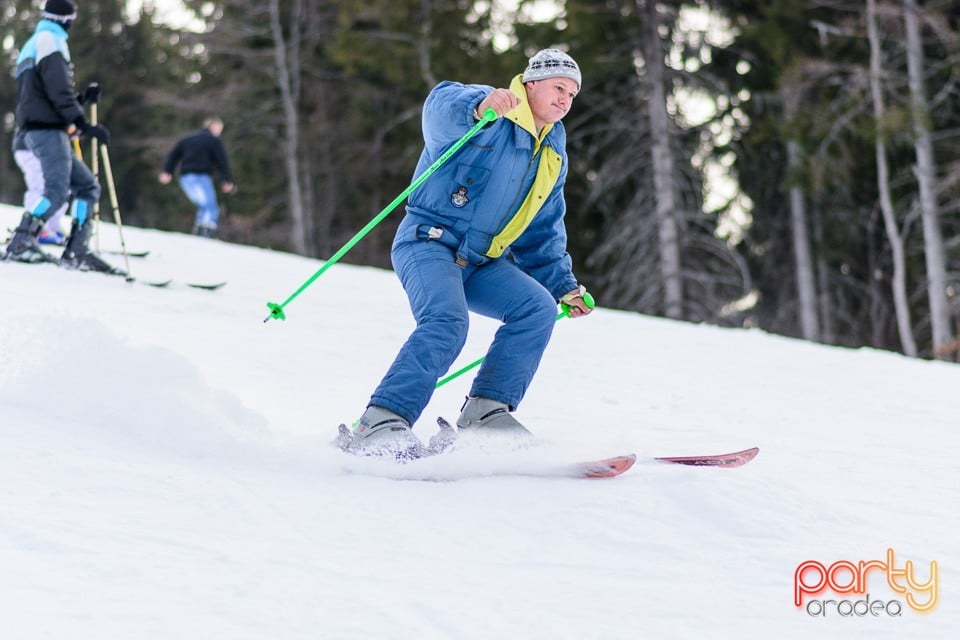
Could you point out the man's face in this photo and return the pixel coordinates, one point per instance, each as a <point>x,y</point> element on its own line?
<point>551,98</point>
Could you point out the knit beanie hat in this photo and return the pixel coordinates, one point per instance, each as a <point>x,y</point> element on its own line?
<point>552,63</point>
<point>59,10</point>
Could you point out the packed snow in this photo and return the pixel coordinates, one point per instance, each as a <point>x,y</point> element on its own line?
<point>166,471</point>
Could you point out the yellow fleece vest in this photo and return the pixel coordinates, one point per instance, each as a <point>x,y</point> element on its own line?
<point>548,172</point>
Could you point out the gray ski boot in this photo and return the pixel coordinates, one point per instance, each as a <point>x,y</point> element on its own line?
<point>382,433</point>
<point>24,246</point>
<point>77,254</point>
<point>489,416</point>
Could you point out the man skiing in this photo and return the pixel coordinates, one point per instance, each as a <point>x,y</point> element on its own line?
<point>485,234</point>
<point>198,154</point>
<point>47,107</point>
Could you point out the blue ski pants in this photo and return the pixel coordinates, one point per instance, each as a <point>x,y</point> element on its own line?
<point>441,293</point>
<point>62,173</point>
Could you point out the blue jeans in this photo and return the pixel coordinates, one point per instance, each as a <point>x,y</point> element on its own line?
<point>200,191</point>
<point>63,174</point>
<point>441,293</point>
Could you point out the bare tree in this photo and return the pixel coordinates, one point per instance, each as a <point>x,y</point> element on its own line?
<point>800,238</point>
<point>926,180</point>
<point>663,163</point>
<point>899,283</point>
<point>288,73</point>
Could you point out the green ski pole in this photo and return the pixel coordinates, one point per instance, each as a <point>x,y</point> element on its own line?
<point>276,310</point>
<point>565,312</point>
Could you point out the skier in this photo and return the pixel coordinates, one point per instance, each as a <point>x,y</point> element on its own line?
<point>198,154</point>
<point>485,234</point>
<point>29,165</point>
<point>47,107</point>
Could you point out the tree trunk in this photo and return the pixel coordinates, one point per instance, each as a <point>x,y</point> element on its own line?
<point>665,189</point>
<point>899,281</point>
<point>301,239</point>
<point>926,178</point>
<point>802,255</point>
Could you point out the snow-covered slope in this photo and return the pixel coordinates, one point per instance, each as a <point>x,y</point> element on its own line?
<point>164,470</point>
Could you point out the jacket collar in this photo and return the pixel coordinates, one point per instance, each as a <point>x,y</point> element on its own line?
<point>522,115</point>
<point>50,25</point>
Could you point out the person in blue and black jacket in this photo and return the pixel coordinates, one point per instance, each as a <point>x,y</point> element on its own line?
<point>48,107</point>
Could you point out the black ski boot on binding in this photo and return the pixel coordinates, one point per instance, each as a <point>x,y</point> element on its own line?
<point>78,256</point>
<point>24,246</point>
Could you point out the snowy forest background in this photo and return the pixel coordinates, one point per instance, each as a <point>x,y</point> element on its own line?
<point>785,164</point>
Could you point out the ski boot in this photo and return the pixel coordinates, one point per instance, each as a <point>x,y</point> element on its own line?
<point>490,416</point>
<point>381,433</point>
<point>78,256</point>
<point>24,246</point>
<point>486,425</point>
<point>206,230</point>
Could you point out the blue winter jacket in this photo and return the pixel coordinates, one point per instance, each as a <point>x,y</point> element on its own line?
<point>501,194</point>
<point>46,97</point>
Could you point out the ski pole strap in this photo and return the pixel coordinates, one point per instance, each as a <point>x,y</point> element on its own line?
<point>564,313</point>
<point>276,310</point>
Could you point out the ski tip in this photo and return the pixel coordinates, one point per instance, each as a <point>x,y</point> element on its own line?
<point>609,468</point>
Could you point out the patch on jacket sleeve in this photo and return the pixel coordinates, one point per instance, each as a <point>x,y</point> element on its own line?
<point>459,198</point>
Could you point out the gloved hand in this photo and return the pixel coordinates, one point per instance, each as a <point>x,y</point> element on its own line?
<point>91,94</point>
<point>97,131</point>
<point>577,302</point>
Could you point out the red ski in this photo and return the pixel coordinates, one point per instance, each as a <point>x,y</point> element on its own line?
<point>724,460</point>
<point>612,467</point>
<point>605,468</point>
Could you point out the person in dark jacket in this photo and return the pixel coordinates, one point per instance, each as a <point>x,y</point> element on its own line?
<point>48,107</point>
<point>484,234</point>
<point>198,154</point>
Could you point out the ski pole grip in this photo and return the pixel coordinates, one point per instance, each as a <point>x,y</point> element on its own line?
<point>587,300</point>
<point>489,115</point>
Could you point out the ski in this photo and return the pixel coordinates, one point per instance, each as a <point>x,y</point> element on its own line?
<point>608,468</point>
<point>722,460</point>
<point>163,284</point>
<point>443,442</point>
<point>612,467</point>
<point>208,286</point>
<point>111,252</point>
<point>130,254</point>
<point>156,284</point>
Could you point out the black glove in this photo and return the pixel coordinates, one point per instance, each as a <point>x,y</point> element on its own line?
<point>91,94</point>
<point>97,131</point>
